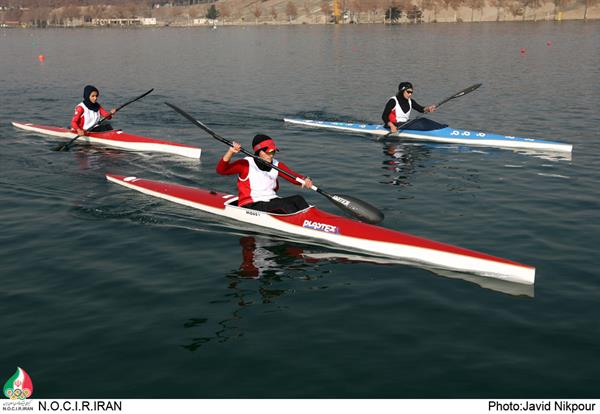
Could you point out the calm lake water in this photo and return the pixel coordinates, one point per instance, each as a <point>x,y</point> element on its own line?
<point>111,293</point>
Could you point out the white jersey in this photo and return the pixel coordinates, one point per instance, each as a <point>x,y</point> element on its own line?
<point>401,116</point>
<point>259,185</point>
<point>90,118</point>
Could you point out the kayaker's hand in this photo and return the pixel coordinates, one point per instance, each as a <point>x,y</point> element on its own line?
<point>112,111</point>
<point>237,147</point>
<point>307,182</point>
<point>80,131</point>
<point>430,108</point>
<point>392,127</point>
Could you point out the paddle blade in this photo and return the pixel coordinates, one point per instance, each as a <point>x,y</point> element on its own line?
<point>360,209</point>
<point>469,89</point>
<point>459,94</point>
<point>63,147</point>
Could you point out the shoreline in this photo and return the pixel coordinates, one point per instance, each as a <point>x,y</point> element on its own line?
<point>188,17</point>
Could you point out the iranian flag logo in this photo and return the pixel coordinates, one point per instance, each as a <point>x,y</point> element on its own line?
<point>19,386</point>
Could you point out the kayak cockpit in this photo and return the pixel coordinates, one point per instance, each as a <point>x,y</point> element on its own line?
<point>233,203</point>
<point>425,124</point>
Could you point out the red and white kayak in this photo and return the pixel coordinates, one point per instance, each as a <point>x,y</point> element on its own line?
<point>318,225</point>
<point>116,139</point>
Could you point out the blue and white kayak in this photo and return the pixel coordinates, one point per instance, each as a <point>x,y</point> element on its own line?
<point>427,130</point>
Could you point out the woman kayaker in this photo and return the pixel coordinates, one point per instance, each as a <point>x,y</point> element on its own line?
<point>398,108</point>
<point>89,112</point>
<point>257,181</point>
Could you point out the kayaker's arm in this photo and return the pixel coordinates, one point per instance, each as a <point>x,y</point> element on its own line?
<point>76,120</point>
<point>237,167</point>
<point>106,114</point>
<point>386,112</point>
<point>422,109</point>
<point>307,181</point>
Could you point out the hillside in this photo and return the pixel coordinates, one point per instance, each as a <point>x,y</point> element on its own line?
<point>250,12</point>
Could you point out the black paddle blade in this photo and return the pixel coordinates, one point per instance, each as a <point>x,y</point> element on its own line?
<point>360,209</point>
<point>459,94</point>
<point>469,89</point>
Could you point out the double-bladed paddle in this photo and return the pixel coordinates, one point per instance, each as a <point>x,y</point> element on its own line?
<point>456,95</point>
<point>358,208</point>
<point>65,147</point>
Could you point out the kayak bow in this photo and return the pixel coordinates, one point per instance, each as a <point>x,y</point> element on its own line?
<point>116,139</point>
<point>317,225</point>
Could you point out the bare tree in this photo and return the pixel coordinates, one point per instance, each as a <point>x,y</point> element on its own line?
<point>499,4</point>
<point>70,13</point>
<point>357,7</point>
<point>432,5</point>
<point>587,5</point>
<point>326,9</point>
<point>291,10</point>
<point>41,15</point>
<point>475,5</point>
<point>451,4</point>
<point>307,8</point>
<point>273,13</point>
<point>225,11</point>
<point>257,12</point>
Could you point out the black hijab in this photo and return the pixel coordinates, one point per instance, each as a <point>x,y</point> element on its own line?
<point>87,91</point>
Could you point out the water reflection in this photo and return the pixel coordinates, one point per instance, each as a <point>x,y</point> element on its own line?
<point>403,161</point>
<point>269,267</point>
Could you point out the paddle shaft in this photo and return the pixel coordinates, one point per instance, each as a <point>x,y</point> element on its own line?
<point>456,95</point>
<point>230,143</point>
<point>66,146</point>
<point>360,209</point>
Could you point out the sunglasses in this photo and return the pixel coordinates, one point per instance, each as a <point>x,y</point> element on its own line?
<point>407,91</point>
<point>272,152</point>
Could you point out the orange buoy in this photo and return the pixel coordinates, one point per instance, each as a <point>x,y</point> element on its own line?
<point>523,51</point>
<point>41,58</point>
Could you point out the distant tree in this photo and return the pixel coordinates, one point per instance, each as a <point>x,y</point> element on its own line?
<point>531,4</point>
<point>393,14</point>
<point>432,5</point>
<point>373,6</point>
<point>41,15</point>
<point>357,7</point>
<point>225,11</point>
<point>499,4</point>
<point>587,5</point>
<point>326,9</point>
<point>452,4</point>
<point>257,12</point>
<point>273,13</point>
<point>414,14</point>
<point>291,10</point>
<point>307,8</point>
<point>475,5</point>
<point>194,12</point>
<point>212,12</point>
<point>70,13</point>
